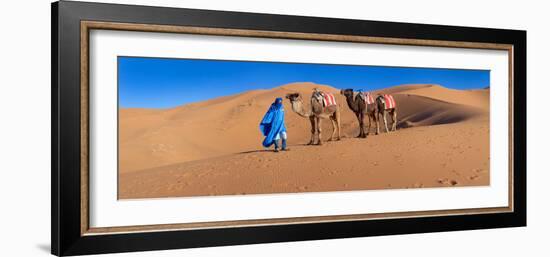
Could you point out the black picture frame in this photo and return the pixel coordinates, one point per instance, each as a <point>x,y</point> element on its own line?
<point>66,234</point>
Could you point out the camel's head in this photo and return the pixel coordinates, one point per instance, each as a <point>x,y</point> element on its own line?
<point>346,92</point>
<point>293,97</point>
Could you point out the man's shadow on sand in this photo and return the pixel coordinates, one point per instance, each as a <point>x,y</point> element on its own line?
<point>256,151</point>
<point>270,150</point>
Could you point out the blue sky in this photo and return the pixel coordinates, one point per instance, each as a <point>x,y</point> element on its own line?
<point>165,83</point>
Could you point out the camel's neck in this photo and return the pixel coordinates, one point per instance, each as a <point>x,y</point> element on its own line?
<point>352,103</point>
<point>298,108</point>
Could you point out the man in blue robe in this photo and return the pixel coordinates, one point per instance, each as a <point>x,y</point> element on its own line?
<point>273,126</point>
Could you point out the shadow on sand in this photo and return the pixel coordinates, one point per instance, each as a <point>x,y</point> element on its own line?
<point>270,150</point>
<point>256,151</point>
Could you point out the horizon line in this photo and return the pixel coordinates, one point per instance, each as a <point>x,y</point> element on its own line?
<point>297,82</point>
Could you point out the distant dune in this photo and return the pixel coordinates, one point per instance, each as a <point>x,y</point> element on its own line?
<point>214,147</point>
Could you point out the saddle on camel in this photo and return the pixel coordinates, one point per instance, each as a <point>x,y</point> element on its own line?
<point>326,98</point>
<point>366,97</point>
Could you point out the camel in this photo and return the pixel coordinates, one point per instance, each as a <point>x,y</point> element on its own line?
<point>317,113</point>
<point>382,111</point>
<point>358,105</point>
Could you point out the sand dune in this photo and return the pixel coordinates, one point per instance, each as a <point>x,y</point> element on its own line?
<point>417,110</point>
<point>202,130</point>
<point>218,140</point>
<point>477,98</point>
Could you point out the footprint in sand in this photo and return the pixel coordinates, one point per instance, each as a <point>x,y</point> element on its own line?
<point>185,175</point>
<point>418,185</point>
<point>474,177</point>
<point>302,188</point>
<point>447,181</point>
<point>204,174</point>
<point>480,171</point>
<point>178,186</point>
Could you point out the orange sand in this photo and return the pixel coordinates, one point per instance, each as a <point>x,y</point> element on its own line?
<point>214,147</point>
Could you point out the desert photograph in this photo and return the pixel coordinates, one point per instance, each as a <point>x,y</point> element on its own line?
<point>190,127</point>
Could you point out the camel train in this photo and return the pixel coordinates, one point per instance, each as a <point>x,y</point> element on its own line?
<point>324,106</point>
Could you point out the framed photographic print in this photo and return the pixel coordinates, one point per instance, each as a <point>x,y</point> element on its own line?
<point>178,128</point>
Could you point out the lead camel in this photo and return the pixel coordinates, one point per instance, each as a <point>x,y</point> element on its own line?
<point>316,114</point>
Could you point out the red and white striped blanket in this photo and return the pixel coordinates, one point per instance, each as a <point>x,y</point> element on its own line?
<point>328,99</point>
<point>390,102</point>
<point>368,98</point>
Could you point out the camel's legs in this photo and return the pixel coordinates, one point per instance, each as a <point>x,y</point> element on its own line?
<point>370,123</point>
<point>376,119</point>
<point>333,128</point>
<point>385,121</point>
<point>359,121</point>
<point>312,122</point>
<point>362,125</point>
<point>316,136</point>
<point>338,123</point>
<point>394,119</point>
<point>318,125</point>
<point>335,119</point>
